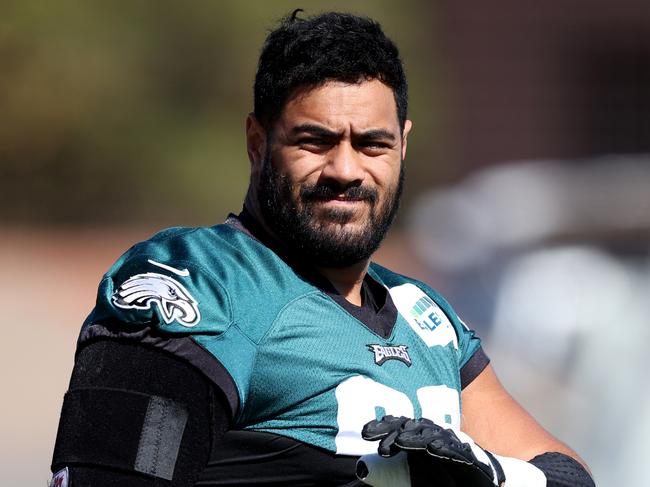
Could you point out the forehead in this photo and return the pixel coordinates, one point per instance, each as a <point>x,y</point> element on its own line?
<point>339,105</point>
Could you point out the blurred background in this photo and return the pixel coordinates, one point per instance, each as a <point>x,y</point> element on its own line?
<point>527,199</point>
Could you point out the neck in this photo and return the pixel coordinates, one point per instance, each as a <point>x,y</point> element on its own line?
<point>252,206</point>
<point>348,280</point>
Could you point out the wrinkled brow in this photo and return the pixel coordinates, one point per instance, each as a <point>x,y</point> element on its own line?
<point>314,129</point>
<point>319,130</point>
<point>377,134</point>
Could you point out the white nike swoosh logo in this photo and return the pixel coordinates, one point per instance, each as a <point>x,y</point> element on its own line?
<point>178,272</point>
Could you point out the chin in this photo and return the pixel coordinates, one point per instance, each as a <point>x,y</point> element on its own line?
<point>336,229</point>
<point>341,218</point>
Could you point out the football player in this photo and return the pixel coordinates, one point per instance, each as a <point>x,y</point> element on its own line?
<point>269,349</point>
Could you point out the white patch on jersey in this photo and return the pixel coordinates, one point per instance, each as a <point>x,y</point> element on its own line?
<point>60,479</point>
<point>173,300</point>
<point>359,400</point>
<point>424,315</point>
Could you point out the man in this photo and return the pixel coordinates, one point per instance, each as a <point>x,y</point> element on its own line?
<point>268,350</point>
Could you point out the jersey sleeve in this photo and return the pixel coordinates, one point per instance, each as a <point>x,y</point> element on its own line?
<point>145,287</point>
<point>472,358</point>
<point>423,308</point>
<point>160,295</point>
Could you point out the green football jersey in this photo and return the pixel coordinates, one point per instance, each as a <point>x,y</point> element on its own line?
<point>290,359</point>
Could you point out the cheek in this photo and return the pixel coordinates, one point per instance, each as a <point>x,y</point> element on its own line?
<point>298,165</point>
<point>386,176</point>
<point>291,190</point>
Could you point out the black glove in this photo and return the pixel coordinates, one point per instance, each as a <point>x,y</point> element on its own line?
<point>436,456</point>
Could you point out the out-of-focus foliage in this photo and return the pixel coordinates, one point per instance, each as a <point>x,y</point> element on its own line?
<point>134,111</point>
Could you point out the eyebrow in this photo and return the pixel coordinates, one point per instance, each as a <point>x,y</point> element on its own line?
<point>319,130</point>
<point>313,129</point>
<point>375,134</point>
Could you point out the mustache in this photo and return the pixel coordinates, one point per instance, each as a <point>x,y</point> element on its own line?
<point>331,190</point>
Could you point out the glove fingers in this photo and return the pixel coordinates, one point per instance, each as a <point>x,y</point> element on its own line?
<point>440,443</point>
<point>455,456</point>
<point>375,430</point>
<point>417,435</point>
<point>387,447</point>
<point>456,452</point>
<point>385,430</point>
<point>449,447</point>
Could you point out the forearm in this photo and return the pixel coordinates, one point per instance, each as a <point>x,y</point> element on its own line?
<point>423,454</point>
<point>497,422</point>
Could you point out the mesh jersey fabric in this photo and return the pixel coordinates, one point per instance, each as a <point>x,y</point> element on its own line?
<point>291,361</point>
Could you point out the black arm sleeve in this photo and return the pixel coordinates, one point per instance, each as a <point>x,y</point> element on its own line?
<point>562,470</point>
<point>125,405</point>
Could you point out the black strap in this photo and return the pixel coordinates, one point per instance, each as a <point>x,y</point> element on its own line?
<point>120,429</point>
<point>137,416</point>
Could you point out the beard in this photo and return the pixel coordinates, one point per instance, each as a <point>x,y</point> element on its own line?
<point>320,236</point>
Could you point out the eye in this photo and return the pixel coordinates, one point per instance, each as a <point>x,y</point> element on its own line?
<point>374,147</point>
<point>312,141</point>
<point>374,144</point>
<point>314,144</point>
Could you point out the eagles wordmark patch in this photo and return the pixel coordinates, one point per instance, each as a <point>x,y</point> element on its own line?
<point>384,353</point>
<point>173,300</point>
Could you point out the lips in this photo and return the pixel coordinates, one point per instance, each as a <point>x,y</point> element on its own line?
<point>345,198</point>
<point>342,201</point>
<point>325,193</point>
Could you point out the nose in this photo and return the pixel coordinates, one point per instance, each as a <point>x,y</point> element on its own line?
<point>344,165</point>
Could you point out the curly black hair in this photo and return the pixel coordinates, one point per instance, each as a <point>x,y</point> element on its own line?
<point>330,46</point>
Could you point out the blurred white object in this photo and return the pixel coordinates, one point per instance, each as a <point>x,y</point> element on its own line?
<point>551,299</point>
<point>518,204</point>
<point>579,317</point>
<point>569,318</point>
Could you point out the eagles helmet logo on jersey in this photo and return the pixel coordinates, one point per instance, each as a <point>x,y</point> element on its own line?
<point>173,300</point>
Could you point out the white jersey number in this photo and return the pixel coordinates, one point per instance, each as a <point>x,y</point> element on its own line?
<point>361,399</point>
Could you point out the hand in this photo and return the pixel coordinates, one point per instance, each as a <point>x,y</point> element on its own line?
<point>433,448</point>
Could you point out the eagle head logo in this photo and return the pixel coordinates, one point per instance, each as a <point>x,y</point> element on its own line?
<point>173,300</point>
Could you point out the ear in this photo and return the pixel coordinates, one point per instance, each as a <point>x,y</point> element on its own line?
<point>405,133</point>
<point>255,143</point>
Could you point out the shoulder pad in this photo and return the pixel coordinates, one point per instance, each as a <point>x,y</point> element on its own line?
<point>150,286</point>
